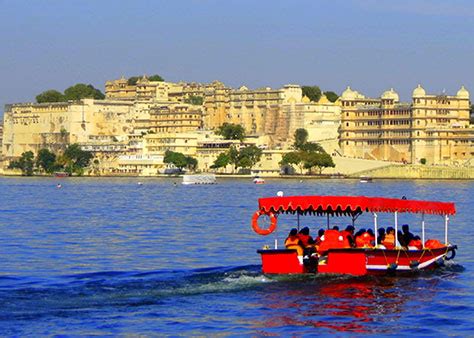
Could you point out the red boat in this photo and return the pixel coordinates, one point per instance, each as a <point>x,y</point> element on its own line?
<point>338,257</point>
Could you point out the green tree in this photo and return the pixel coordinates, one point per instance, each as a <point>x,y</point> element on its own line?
<point>471,121</point>
<point>331,96</point>
<point>50,96</point>
<point>231,131</point>
<point>221,161</point>
<point>294,158</point>
<point>310,147</point>
<point>249,156</point>
<point>191,163</point>
<point>195,100</point>
<point>319,160</point>
<point>132,81</point>
<point>176,158</point>
<point>156,77</point>
<point>25,163</point>
<point>423,160</point>
<point>312,92</point>
<point>82,91</point>
<point>301,137</point>
<point>233,157</point>
<point>76,159</point>
<point>46,161</point>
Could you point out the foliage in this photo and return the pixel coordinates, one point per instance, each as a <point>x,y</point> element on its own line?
<point>221,161</point>
<point>25,163</point>
<point>132,81</point>
<point>155,78</point>
<point>82,91</point>
<point>312,92</point>
<point>331,96</point>
<point>50,96</point>
<point>294,158</point>
<point>301,137</point>
<point>180,160</point>
<point>195,100</point>
<point>423,161</point>
<point>231,131</point>
<point>312,147</point>
<point>75,159</point>
<point>249,156</point>
<point>319,160</point>
<point>471,121</point>
<point>233,156</point>
<point>46,161</point>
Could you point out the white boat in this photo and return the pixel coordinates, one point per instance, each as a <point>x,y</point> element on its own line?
<point>199,179</point>
<point>365,179</point>
<point>258,180</point>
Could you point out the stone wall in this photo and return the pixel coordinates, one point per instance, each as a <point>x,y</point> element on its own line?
<point>419,171</point>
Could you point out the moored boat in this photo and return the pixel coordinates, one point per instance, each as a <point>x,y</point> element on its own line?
<point>199,179</point>
<point>335,255</point>
<point>258,180</point>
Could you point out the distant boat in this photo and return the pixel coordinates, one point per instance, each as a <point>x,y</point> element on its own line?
<point>365,179</point>
<point>199,179</point>
<point>61,174</point>
<point>258,180</point>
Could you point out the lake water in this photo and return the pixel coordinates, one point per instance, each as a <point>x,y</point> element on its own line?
<point>110,256</point>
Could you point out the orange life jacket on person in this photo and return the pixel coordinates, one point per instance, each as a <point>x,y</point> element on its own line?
<point>293,242</point>
<point>365,240</point>
<point>434,244</point>
<point>389,241</point>
<point>332,240</point>
<point>345,238</point>
<point>304,239</point>
<point>416,243</point>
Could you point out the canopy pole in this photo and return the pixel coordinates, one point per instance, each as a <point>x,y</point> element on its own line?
<point>446,221</point>
<point>328,220</point>
<point>376,233</point>
<point>298,220</point>
<point>396,228</point>
<point>423,229</point>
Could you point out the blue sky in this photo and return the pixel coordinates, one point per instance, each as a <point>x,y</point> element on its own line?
<point>370,45</point>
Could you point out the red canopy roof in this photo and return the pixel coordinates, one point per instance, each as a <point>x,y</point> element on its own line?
<point>352,205</point>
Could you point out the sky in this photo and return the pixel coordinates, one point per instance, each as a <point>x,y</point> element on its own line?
<point>371,45</point>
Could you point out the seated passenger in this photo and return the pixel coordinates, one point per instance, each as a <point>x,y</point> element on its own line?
<point>335,228</point>
<point>406,235</point>
<point>415,244</point>
<point>380,235</point>
<point>293,242</point>
<point>304,236</point>
<point>357,237</point>
<point>320,237</point>
<point>366,239</point>
<point>389,239</point>
<point>348,236</point>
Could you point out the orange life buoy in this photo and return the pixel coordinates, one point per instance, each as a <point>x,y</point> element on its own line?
<point>270,229</point>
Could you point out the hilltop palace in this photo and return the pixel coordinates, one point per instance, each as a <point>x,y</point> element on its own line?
<point>130,130</point>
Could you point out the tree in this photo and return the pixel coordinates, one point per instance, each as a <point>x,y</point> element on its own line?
<point>221,161</point>
<point>312,147</point>
<point>178,159</point>
<point>156,77</point>
<point>50,96</point>
<point>46,160</point>
<point>423,160</point>
<point>471,121</point>
<point>75,159</point>
<point>191,163</point>
<point>294,158</point>
<point>231,131</point>
<point>301,137</point>
<point>249,156</point>
<point>233,156</point>
<point>25,163</point>
<point>312,92</point>
<point>132,81</point>
<point>195,100</point>
<point>82,91</point>
<point>331,96</point>
<point>319,160</point>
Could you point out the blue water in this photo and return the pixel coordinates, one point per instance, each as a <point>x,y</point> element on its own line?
<point>109,256</point>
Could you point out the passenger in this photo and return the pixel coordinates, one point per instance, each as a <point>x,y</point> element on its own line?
<point>401,239</point>
<point>335,228</point>
<point>357,235</point>
<point>415,244</point>
<point>389,239</point>
<point>380,235</point>
<point>304,236</point>
<point>348,236</point>
<point>366,239</point>
<point>293,242</point>
<point>320,237</point>
<point>332,239</point>
<point>407,235</point>
<point>311,249</point>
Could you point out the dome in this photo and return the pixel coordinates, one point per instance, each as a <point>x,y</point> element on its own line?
<point>390,95</point>
<point>348,94</point>
<point>305,99</point>
<point>243,88</point>
<point>463,93</point>
<point>419,91</point>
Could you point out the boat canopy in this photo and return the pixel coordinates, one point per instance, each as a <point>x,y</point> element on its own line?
<point>351,205</point>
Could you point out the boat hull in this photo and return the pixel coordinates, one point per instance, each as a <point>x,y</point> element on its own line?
<point>359,262</point>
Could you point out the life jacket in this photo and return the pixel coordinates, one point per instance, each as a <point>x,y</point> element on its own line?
<point>332,240</point>
<point>365,240</point>
<point>293,242</point>
<point>416,243</point>
<point>345,238</point>
<point>389,241</point>
<point>304,239</point>
<point>434,244</point>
